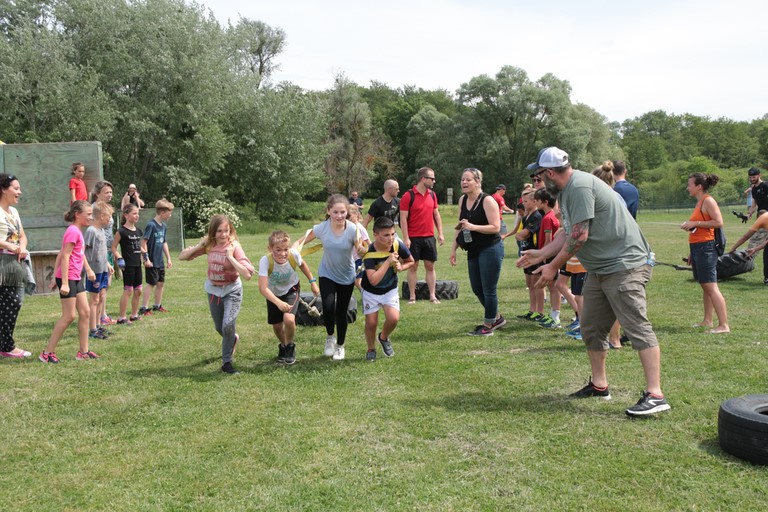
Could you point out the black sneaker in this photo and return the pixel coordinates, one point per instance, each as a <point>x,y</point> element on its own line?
<point>370,355</point>
<point>481,330</point>
<point>591,390</point>
<point>499,323</point>
<point>280,353</point>
<point>290,353</point>
<point>624,339</point>
<point>648,404</point>
<point>228,368</point>
<point>386,346</point>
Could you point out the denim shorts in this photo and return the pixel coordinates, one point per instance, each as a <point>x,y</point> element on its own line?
<point>704,262</point>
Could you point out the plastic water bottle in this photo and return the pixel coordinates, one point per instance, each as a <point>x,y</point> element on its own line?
<point>651,259</point>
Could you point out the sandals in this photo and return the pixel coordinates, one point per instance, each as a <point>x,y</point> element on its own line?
<point>434,301</point>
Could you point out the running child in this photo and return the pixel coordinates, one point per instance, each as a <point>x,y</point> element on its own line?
<point>384,259</point>
<point>528,238</point>
<point>154,252</point>
<point>279,284</point>
<point>337,270</point>
<point>69,270</point>
<point>227,262</point>
<point>126,249</point>
<point>96,255</point>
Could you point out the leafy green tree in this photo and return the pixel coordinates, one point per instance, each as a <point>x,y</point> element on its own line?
<point>279,151</point>
<point>253,47</point>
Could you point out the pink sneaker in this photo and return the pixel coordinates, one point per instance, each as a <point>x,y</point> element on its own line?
<point>106,320</point>
<point>48,358</point>
<point>81,356</point>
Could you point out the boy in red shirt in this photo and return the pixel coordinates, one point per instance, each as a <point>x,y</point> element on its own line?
<point>545,203</point>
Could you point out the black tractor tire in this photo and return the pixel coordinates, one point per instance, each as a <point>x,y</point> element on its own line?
<point>444,290</point>
<point>742,427</point>
<point>303,317</point>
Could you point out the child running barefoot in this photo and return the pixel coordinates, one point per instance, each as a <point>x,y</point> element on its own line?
<point>382,263</point>
<point>69,268</point>
<point>227,262</point>
<point>96,255</point>
<point>128,258</point>
<point>337,271</point>
<point>279,284</point>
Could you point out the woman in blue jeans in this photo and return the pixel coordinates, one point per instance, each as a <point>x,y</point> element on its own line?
<point>478,233</point>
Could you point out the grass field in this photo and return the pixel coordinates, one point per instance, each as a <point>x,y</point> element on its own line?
<point>452,422</point>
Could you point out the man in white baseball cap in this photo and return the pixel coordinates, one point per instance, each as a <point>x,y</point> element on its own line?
<point>608,241</point>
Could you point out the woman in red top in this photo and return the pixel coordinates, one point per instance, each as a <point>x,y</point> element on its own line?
<point>703,257</point>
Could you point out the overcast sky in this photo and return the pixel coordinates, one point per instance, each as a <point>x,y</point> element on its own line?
<point>622,58</point>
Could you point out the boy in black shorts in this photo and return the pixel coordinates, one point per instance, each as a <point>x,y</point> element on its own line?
<point>154,253</point>
<point>528,238</point>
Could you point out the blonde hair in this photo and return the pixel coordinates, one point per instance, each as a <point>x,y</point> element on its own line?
<point>100,208</point>
<point>279,237</point>
<point>353,209</point>
<point>163,205</point>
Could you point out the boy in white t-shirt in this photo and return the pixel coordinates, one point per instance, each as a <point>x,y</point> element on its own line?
<point>279,284</point>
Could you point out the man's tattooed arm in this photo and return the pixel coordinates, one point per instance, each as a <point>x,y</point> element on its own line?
<point>579,235</point>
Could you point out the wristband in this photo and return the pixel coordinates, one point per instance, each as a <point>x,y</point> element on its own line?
<point>313,280</point>
<point>145,256</point>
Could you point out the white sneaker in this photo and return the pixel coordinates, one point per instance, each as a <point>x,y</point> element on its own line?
<point>330,345</point>
<point>339,354</point>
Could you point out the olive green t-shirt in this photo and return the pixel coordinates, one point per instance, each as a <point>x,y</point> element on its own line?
<point>615,242</point>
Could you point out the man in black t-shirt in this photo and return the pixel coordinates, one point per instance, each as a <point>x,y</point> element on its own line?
<point>387,205</point>
<point>759,191</point>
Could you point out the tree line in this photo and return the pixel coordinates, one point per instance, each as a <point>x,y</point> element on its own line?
<point>186,108</point>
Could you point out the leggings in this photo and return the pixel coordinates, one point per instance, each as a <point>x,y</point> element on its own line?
<point>224,311</point>
<point>335,305</point>
<point>10,305</point>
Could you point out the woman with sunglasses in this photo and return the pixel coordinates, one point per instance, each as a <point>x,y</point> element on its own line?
<point>13,276</point>
<point>478,233</point>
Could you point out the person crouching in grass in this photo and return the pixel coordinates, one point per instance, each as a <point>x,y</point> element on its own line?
<point>385,258</point>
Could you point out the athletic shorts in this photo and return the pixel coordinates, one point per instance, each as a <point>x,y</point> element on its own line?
<point>373,302</point>
<point>274,315</point>
<point>529,270</point>
<point>132,278</point>
<point>75,287</point>
<point>101,283</point>
<point>423,248</point>
<point>154,275</point>
<point>577,283</point>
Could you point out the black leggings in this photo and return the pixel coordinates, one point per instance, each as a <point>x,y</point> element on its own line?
<point>10,304</point>
<point>335,305</point>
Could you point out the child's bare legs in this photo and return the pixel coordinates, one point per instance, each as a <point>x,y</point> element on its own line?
<point>68,309</point>
<point>127,291</point>
<point>95,306</point>
<point>84,314</point>
<point>158,292</point>
<point>103,306</point>
<point>371,323</point>
<point>135,301</point>
<point>554,296</point>
<point>148,295</point>
<point>565,291</point>
<point>391,318</point>
<point>530,283</point>
<point>289,328</point>
<point>280,332</point>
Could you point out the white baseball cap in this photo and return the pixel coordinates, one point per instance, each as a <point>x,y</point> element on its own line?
<point>549,158</point>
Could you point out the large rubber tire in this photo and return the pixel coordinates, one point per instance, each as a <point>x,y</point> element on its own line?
<point>444,290</point>
<point>742,426</point>
<point>303,317</point>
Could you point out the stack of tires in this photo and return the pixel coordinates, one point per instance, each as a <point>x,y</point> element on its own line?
<point>304,318</point>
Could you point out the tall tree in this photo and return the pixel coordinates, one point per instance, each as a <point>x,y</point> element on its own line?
<point>253,47</point>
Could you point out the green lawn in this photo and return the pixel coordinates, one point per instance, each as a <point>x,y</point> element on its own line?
<point>452,422</point>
